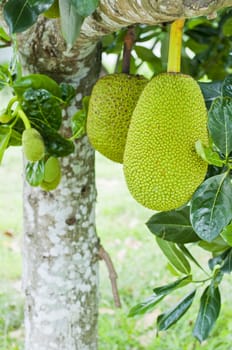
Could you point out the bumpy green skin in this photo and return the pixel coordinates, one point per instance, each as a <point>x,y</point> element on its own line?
<point>33,145</point>
<point>111,104</point>
<point>161,166</point>
<point>52,174</point>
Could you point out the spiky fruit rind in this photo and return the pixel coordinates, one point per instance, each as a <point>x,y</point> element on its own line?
<point>111,104</point>
<point>161,166</point>
<point>33,145</point>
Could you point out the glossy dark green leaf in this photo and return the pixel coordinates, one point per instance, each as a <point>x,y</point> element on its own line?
<point>210,305</point>
<point>42,108</point>
<point>67,92</point>
<point>174,226</point>
<point>22,14</point>
<point>85,7</point>
<point>168,288</point>
<point>227,86</point>
<point>211,207</point>
<point>227,234</point>
<point>174,255</point>
<point>167,319</point>
<point>146,306</point>
<point>35,172</point>
<point>227,265</point>
<point>71,22</point>
<point>5,133</point>
<point>211,91</point>
<point>220,124</point>
<point>208,155</point>
<point>56,145</point>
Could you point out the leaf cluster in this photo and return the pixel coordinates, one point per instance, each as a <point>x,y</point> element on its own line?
<point>37,101</point>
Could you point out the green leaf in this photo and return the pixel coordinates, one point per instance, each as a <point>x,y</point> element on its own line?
<point>208,155</point>
<point>174,226</point>
<point>220,124</point>
<point>227,27</point>
<point>218,260</point>
<point>210,91</point>
<point>167,319</point>
<point>217,246</point>
<point>4,36</point>
<point>145,306</point>
<point>78,122</point>
<point>15,138</point>
<point>5,133</point>
<point>174,255</point>
<point>71,22</point>
<point>227,86</point>
<point>227,234</point>
<point>168,288</point>
<point>227,265</point>
<point>42,109</point>
<point>159,293</point>
<point>85,7</point>
<point>56,145</point>
<point>190,256</point>
<point>22,14</point>
<point>36,82</point>
<point>67,92</point>
<point>211,204</point>
<point>35,172</point>
<point>210,305</point>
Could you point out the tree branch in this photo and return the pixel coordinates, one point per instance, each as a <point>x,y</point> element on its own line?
<point>102,253</point>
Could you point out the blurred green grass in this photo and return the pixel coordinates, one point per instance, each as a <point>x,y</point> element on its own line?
<point>139,264</point>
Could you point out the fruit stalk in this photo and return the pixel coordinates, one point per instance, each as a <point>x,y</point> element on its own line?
<point>24,118</point>
<point>128,44</point>
<point>175,44</point>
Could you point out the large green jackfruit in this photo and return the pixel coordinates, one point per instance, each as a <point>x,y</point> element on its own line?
<point>161,166</point>
<point>111,104</point>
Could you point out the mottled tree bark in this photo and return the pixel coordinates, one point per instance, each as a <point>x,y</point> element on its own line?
<point>60,244</point>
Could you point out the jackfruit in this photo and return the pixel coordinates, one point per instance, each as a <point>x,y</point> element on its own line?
<point>52,174</point>
<point>161,166</point>
<point>111,104</point>
<point>33,145</point>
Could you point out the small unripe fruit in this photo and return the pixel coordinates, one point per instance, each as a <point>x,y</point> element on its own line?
<point>33,145</point>
<point>52,174</point>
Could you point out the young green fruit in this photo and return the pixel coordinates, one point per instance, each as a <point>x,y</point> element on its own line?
<point>161,166</point>
<point>52,174</point>
<point>111,104</point>
<point>33,145</point>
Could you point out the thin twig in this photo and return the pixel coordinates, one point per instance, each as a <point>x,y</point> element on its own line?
<point>102,253</point>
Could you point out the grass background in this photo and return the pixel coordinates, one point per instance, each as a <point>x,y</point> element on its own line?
<point>138,261</point>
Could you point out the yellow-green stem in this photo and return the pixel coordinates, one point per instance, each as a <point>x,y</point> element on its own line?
<point>24,118</point>
<point>175,44</point>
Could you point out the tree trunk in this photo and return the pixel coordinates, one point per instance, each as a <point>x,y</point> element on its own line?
<point>60,244</point>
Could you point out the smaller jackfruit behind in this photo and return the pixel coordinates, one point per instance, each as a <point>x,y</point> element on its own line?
<point>52,174</point>
<point>33,145</point>
<point>161,166</point>
<point>111,104</point>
